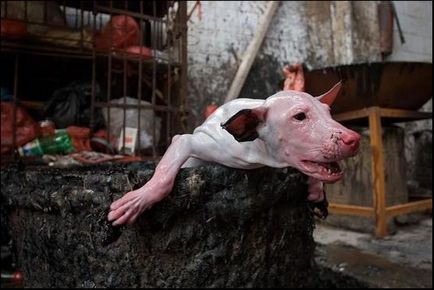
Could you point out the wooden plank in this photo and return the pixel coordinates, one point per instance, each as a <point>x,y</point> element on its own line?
<point>352,115</point>
<point>346,209</point>
<point>250,54</point>
<point>378,192</point>
<point>409,207</point>
<point>398,113</point>
<point>384,112</point>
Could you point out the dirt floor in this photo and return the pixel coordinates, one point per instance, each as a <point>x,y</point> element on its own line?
<point>401,260</point>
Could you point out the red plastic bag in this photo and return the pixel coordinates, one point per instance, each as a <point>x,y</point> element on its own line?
<point>120,32</point>
<point>135,50</point>
<point>14,29</point>
<point>26,128</point>
<point>294,77</point>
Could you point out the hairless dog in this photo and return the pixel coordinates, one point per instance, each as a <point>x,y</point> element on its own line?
<point>288,129</point>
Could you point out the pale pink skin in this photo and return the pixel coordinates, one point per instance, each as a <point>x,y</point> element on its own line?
<point>283,142</point>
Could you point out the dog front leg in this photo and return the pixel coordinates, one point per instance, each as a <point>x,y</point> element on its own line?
<point>132,204</point>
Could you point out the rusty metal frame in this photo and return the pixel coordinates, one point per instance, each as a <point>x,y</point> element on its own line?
<point>150,72</point>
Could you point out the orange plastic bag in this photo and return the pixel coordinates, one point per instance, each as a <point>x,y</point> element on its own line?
<point>120,32</point>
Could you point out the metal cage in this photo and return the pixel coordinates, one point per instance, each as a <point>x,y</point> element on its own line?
<point>131,54</point>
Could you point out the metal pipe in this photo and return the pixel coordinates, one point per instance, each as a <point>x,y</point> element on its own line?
<point>154,76</point>
<point>14,107</point>
<point>92,103</point>
<point>169,81</point>
<point>124,83</point>
<point>109,78</point>
<point>81,26</point>
<point>183,60</point>
<point>129,13</point>
<point>401,35</point>
<point>139,79</point>
<point>146,107</point>
<point>65,54</point>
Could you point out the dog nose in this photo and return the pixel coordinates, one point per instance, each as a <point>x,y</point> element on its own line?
<point>351,139</point>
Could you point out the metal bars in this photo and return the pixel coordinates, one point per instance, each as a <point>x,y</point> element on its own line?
<point>145,74</point>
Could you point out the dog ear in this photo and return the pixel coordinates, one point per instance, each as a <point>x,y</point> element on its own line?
<point>329,97</point>
<point>243,124</point>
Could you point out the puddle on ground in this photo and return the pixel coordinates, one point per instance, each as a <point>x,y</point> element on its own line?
<point>372,269</point>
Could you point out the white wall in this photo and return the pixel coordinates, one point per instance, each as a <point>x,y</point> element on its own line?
<point>415,18</point>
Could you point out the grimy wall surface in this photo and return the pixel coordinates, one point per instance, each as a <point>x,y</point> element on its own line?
<point>316,33</point>
<point>415,18</point>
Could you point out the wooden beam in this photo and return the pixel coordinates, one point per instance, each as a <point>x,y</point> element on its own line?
<point>378,192</point>
<point>251,52</point>
<point>384,112</point>
<point>398,113</point>
<point>352,115</point>
<point>346,209</point>
<point>409,207</point>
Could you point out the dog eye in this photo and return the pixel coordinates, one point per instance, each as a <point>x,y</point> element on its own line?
<point>300,116</point>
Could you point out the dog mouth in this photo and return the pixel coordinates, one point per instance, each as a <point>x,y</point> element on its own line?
<point>324,171</point>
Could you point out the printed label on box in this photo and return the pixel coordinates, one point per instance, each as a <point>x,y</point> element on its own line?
<point>130,140</point>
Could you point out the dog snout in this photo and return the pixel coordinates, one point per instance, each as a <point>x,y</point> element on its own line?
<point>351,139</point>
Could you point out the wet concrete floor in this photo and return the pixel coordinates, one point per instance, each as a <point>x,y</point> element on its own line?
<point>401,260</point>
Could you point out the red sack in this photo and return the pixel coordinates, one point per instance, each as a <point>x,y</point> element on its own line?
<point>13,29</point>
<point>120,32</point>
<point>137,50</point>
<point>26,128</point>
